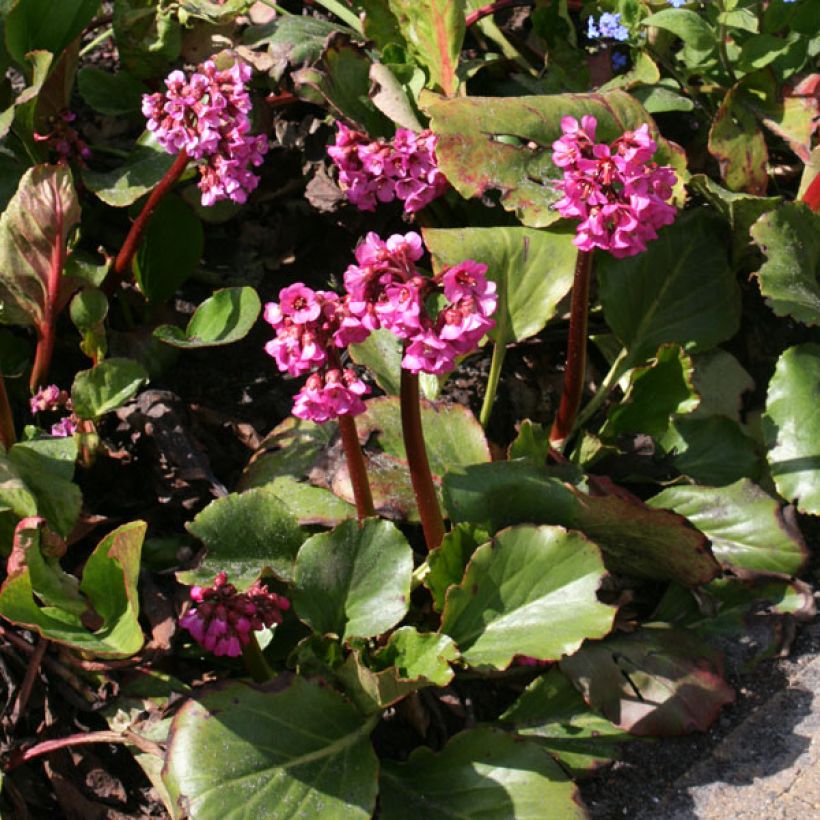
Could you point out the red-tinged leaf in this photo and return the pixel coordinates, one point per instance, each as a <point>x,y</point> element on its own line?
<point>655,681</point>
<point>812,195</point>
<point>434,30</point>
<point>33,233</point>
<point>505,144</point>
<point>739,146</point>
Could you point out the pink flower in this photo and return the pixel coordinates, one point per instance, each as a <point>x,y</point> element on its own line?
<point>428,353</point>
<point>64,139</point>
<point>222,619</point>
<point>324,398</point>
<point>65,427</point>
<point>207,115</point>
<point>48,398</point>
<point>617,193</point>
<point>379,171</point>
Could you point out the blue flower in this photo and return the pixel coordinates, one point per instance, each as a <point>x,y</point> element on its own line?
<point>592,32</point>
<point>677,3</point>
<point>610,25</point>
<point>619,61</point>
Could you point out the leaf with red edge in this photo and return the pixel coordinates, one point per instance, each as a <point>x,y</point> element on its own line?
<point>476,156</point>
<point>34,229</point>
<point>434,32</point>
<point>655,681</point>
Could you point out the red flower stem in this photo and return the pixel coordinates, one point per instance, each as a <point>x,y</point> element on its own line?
<point>491,8</point>
<point>28,682</point>
<point>7,435</point>
<point>420,475</point>
<point>46,329</point>
<point>356,468</point>
<point>576,351</point>
<point>122,264</point>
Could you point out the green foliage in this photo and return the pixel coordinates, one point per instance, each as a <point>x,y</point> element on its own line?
<point>106,387</point>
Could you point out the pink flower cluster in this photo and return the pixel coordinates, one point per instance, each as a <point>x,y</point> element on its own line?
<point>381,171</point>
<point>208,116</point>
<point>223,619</point>
<point>616,191</point>
<point>384,290</point>
<point>51,399</point>
<point>64,139</point>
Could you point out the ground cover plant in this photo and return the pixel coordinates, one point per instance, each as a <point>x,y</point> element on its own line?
<point>402,404</point>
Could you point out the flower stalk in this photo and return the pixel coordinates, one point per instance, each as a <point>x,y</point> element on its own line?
<point>576,351</point>
<point>422,479</point>
<point>254,661</point>
<point>356,468</point>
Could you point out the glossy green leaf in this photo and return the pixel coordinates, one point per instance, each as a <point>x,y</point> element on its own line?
<point>656,392</point>
<point>657,99</point>
<point>712,451</point>
<point>476,158</point>
<point>246,535</point>
<point>531,444</point>
<point>636,541</point>
<point>88,308</point>
<point>109,582</point>
<point>791,427</point>
<point>116,95</point>
<point>216,12</point>
<point>747,527</point>
<point>531,591</point>
<point>170,252</point>
<point>128,181</point>
<point>790,277</point>
<point>479,773</point>
<point>553,713</point>
<point>309,504</point>
<point>681,289</point>
<point>222,319</point>
<point>434,31</point>
<point>42,24</point>
<point>448,562</point>
<point>686,24</point>
<point>354,581</point>
<point>46,468</point>
<point>106,387</point>
<point>720,382</point>
<point>293,749</point>
<point>148,37</point>
<point>38,220</point>
<point>654,681</point>
<point>532,269</point>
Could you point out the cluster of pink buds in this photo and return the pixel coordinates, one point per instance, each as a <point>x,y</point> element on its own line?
<point>381,171</point>
<point>63,138</point>
<point>222,619</point>
<point>208,116</point>
<point>51,399</point>
<point>616,191</point>
<point>384,290</point>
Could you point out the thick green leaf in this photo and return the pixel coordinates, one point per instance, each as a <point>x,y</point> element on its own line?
<point>148,37</point>
<point>246,535</point>
<point>686,24</point>
<point>551,711</point>
<point>46,467</point>
<point>37,221</point>
<point>127,182</point>
<point>309,504</point>
<point>113,94</point>
<point>747,527</point>
<point>654,681</point>
<point>42,24</point>
<point>170,251</point>
<point>222,319</point>
<point>680,290</point>
<point>298,751</point>
<point>479,773</point>
<point>738,144</point>
<point>656,392</point>
<point>531,591</point>
<point>109,582</point>
<point>448,562</point>
<point>635,540</point>
<point>410,661</point>
<point>341,78</point>
<point>657,99</point>
<point>790,277</point>
<point>354,581</point>
<point>476,159</point>
<point>712,451</point>
<point>791,427</point>
<point>532,269</point>
<point>720,382</point>
<point>106,387</point>
<point>434,31</point>
<point>216,12</point>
